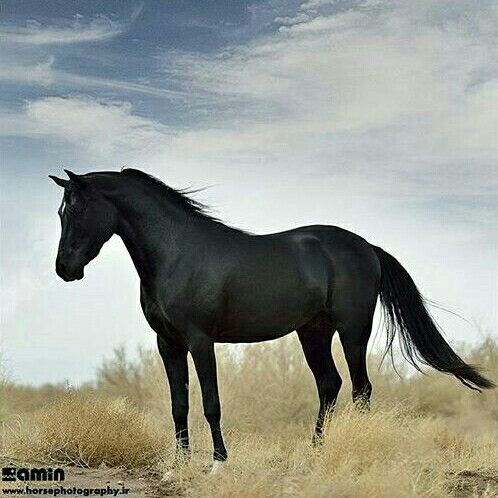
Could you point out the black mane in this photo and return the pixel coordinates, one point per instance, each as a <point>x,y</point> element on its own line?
<point>179,196</point>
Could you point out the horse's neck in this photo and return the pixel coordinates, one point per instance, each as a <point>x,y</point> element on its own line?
<point>154,234</point>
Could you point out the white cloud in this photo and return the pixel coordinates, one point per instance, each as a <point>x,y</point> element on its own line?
<point>28,73</point>
<point>88,82</point>
<point>389,86</point>
<point>395,98</point>
<point>357,70</point>
<point>34,34</point>
<point>104,129</point>
<point>473,123</point>
<point>14,70</point>
<point>21,48</point>
<point>79,30</point>
<point>291,20</point>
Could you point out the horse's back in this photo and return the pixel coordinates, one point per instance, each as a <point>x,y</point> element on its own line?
<point>342,248</point>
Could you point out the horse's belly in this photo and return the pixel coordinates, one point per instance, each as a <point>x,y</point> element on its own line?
<point>266,321</point>
<point>251,338</point>
<point>246,334</point>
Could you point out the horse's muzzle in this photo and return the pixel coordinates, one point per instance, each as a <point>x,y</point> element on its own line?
<point>68,274</point>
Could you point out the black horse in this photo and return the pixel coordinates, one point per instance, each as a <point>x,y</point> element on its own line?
<point>203,282</point>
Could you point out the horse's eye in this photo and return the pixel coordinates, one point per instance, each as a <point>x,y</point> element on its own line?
<point>70,202</point>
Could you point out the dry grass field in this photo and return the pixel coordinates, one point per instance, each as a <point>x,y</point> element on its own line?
<point>424,436</point>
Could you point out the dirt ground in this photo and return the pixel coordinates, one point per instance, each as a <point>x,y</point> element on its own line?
<point>140,484</point>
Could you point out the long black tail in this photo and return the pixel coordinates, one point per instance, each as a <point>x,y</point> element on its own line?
<point>420,339</point>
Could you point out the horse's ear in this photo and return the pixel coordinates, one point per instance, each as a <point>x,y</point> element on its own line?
<point>74,178</point>
<point>59,181</point>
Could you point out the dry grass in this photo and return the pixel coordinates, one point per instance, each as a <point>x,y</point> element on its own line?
<point>383,453</point>
<point>88,431</point>
<point>425,435</point>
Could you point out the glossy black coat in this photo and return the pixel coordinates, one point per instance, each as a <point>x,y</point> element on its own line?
<point>203,282</point>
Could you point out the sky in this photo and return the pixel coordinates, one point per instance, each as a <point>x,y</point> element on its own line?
<point>379,116</point>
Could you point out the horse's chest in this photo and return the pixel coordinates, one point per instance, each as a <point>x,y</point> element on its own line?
<point>152,311</point>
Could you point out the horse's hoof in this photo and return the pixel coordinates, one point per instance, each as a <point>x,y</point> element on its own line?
<point>217,467</point>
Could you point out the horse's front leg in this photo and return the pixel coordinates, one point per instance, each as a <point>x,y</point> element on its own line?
<point>175,363</point>
<point>202,350</point>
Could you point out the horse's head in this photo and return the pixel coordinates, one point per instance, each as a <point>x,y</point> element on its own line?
<point>88,220</point>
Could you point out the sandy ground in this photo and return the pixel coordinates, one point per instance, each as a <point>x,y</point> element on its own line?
<point>140,484</point>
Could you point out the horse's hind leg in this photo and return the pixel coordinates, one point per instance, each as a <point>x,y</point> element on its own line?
<point>354,340</point>
<point>316,341</point>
